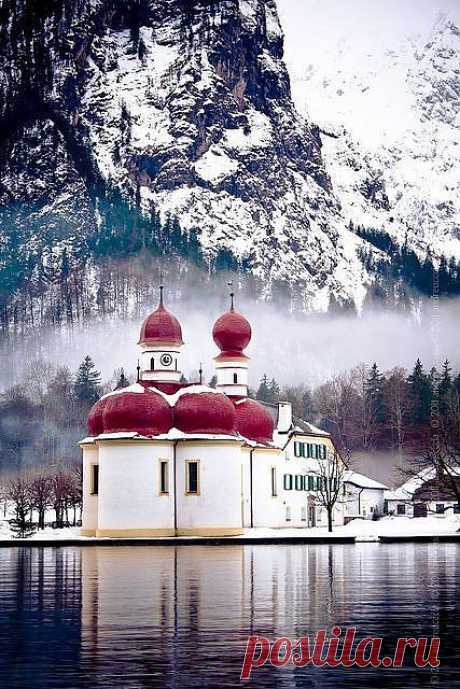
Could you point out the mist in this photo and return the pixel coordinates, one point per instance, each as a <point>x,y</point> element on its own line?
<point>291,347</point>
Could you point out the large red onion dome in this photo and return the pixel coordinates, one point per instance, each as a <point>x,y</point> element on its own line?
<point>94,421</point>
<point>145,413</point>
<point>161,327</point>
<point>204,412</point>
<point>232,331</point>
<point>253,420</point>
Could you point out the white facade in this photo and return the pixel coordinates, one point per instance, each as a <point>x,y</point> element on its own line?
<point>239,486</point>
<point>160,363</point>
<point>232,375</point>
<point>211,461</point>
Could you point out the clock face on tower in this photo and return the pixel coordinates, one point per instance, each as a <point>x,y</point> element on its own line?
<point>166,359</point>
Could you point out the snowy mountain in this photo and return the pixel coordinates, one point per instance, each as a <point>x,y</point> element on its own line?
<point>184,107</point>
<point>391,136</point>
<point>184,110</point>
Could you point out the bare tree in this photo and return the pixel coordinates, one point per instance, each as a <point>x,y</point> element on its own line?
<point>337,403</point>
<point>330,472</point>
<point>61,489</point>
<point>438,457</point>
<point>396,403</point>
<point>18,492</point>
<point>41,489</point>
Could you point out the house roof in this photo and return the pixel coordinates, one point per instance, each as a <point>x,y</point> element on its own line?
<point>363,481</point>
<point>413,485</point>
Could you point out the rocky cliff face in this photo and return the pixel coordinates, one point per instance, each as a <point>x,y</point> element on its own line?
<point>184,107</point>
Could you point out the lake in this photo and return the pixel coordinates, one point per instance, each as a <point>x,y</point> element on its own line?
<point>147,616</point>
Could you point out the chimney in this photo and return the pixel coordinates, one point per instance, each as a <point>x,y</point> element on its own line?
<point>284,417</point>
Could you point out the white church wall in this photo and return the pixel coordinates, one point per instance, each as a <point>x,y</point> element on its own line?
<point>217,509</point>
<point>130,502</point>
<point>90,501</point>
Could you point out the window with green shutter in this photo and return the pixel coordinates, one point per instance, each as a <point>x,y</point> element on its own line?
<point>287,481</point>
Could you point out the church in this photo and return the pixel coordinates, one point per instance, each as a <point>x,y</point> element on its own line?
<point>168,458</point>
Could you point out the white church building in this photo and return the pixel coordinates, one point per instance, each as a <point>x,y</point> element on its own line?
<point>167,458</point>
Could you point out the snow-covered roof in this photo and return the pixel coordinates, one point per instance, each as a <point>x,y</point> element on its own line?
<point>171,399</point>
<point>363,481</point>
<point>406,491</point>
<point>305,427</point>
<point>399,494</point>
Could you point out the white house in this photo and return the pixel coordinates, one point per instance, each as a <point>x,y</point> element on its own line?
<point>422,495</point>
<point>364,496</point>
<point>167,458</point>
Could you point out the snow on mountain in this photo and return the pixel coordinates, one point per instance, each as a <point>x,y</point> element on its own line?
<point>185,107</point>
<point>391,133</point>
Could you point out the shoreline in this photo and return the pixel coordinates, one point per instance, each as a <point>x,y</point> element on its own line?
<point>228,540</point>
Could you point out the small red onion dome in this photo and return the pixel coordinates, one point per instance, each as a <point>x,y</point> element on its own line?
<point>161,327</point>
<point>205,412</point>
<point>94,421</point>
<point>232,332</point>
<point>146,413</point>
<point>253,421</point>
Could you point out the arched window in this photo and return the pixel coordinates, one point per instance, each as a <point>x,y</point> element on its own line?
<point>152,364</point>
<point>235,378</point>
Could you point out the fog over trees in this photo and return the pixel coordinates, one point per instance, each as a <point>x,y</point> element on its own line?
<point>365,409</point>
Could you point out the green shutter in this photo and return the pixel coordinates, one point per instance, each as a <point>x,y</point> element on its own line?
<point>287,481</point>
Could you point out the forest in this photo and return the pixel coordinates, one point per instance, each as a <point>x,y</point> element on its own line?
<point>43,418</point>
<point>52,275</point>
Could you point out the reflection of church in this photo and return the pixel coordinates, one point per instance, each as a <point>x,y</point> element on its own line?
<point>165,458</point>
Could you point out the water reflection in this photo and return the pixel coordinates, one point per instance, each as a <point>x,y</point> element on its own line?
<point>137,617</point>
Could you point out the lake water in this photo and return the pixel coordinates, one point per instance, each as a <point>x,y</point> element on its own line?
<point>142,616</point>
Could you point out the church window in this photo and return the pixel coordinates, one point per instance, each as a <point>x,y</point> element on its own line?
<point>273,478</point>
<point>152,364</point>
<point>235,378</point>
<point>94,479</point>
<point>288,514</point>
<point>164,487</point>
<point>192,485</point>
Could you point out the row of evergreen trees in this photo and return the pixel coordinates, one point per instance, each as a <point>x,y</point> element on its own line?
<point>48,268</point>
<point>42,420</point>
<point>365,408</point>
<point>405,271</point>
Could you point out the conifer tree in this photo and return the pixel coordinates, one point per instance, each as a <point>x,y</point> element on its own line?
<point>274,391</point>
<point>445,387</point>
<point>420,394</point>
<point>263,393</point>
<point>87,381</point>
<point>375,395</point>
<point>122,382</point>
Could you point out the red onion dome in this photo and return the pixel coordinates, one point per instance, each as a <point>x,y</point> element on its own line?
<point>161,327</point>
<point>204,412</point>
<point>232,332</point>
<point>253,421</point>
<point>146,413</point>
<point>94,421</point>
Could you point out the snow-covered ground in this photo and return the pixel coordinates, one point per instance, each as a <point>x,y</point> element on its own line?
<point>361,529</point>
